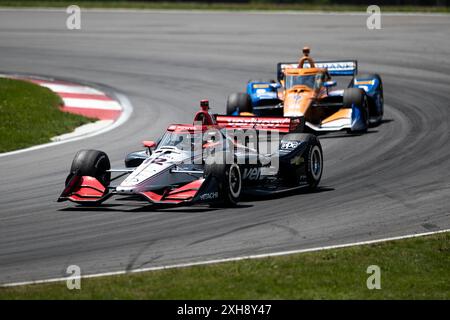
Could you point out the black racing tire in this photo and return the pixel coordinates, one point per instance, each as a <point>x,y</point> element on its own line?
<point>229,179</point>
<point>239,101</point>
<point>358,98</point>
<point>91,163</point>
<point>313,160</point>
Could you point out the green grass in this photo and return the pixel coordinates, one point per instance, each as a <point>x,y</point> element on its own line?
<point>416,268</point>
<point>30,115</point>
<point>252,5</point>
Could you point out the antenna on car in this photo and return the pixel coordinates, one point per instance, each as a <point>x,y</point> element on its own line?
<point>306,51</point>
<point>204,105</point>
<point>203,115</point>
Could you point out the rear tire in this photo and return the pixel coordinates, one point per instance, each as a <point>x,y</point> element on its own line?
<point>240,102</point>
<point>313,160</point>
<point>374,113</point>
<point>91,163</point>
<point>229,179</point>
<point>314,164</point>
<point>357,98</point>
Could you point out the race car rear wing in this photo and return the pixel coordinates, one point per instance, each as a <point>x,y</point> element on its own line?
<point>280,124</point>
<point>335,68</point>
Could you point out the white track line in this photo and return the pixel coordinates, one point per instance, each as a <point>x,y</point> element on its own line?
<point>84,129</point>
<point>208,262</point>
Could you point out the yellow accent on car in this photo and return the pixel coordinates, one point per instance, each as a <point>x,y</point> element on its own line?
<point>364,82</point>
<point>260,86</point>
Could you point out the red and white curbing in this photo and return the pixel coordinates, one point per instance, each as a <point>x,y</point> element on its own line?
<point>82,100</point>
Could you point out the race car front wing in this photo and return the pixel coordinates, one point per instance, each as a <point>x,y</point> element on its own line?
<point>88,190</point>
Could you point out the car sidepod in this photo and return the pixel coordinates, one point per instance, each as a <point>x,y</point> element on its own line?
<point>373,86</point>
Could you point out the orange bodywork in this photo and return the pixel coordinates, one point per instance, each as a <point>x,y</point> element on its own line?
<point>303,100</point>
<point>304,92</point>
<point>344,113</point>
<point>298,99</point>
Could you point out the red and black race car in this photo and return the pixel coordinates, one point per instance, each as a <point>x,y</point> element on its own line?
<point>214,160</point>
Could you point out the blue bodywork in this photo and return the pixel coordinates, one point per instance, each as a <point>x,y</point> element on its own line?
<point>374,91</point>
<point>369,85</point>
<point>262,94</point>
<point>357,122</point>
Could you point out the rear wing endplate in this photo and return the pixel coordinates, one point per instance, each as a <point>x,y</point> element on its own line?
<point>335,68</point>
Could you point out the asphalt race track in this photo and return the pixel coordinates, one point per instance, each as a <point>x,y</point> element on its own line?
<point>392,181</point>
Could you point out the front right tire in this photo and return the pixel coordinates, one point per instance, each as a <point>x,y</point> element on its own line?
<point>93,163</point>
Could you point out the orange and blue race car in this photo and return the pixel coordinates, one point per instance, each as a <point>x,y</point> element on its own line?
<point>305,89</point>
